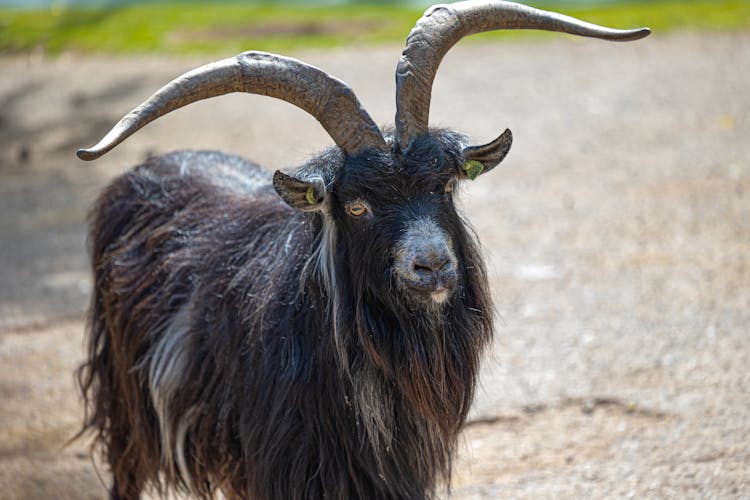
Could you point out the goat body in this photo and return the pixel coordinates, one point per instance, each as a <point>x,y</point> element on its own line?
<point>210,293</point>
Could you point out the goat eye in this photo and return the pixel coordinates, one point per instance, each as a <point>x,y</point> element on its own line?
<point>357,209</point>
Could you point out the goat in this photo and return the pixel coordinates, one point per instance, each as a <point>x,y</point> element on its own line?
<point>308,335</point>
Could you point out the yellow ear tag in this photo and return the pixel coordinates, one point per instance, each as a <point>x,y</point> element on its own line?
<point>310,196</point>
<point>473,168</point>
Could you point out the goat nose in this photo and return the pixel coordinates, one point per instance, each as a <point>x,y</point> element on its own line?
<point>431,262</point>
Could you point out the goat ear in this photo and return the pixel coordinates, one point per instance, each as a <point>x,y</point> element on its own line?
<point>306,195</point>
<point>482,159</point>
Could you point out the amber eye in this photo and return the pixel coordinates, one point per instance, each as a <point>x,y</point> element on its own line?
<point>357,209</point>
<point>449,187</point>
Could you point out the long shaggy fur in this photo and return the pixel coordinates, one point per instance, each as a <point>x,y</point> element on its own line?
<point>238,345</point>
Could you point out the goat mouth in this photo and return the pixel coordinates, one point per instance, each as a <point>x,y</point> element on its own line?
<point>436,290</point>
<point>440,295</point>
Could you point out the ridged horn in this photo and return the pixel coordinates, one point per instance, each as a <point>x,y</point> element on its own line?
<point>442,26</point>
<point>326,98</point>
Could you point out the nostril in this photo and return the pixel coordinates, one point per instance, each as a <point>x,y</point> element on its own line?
<point>421,268</point>
<point>431,265</point>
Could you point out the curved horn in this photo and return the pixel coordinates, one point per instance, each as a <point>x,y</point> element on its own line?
<point>442,26</point>
<point>329,100</point>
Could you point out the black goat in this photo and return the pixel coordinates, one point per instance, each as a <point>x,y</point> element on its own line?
<point>317,336</point>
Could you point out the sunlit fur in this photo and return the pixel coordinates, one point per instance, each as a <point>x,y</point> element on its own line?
<point>241,346</point>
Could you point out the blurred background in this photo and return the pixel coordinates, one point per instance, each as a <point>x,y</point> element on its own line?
<point>617,231</point>
<point>132,26</point>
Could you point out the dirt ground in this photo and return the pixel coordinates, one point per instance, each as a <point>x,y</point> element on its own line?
<point>617,233</point>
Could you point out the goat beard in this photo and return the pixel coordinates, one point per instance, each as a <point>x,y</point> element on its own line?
<point>430,356</point>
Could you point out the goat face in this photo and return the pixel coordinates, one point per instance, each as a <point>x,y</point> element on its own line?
<point>401,234</point>
<point>393,215</point>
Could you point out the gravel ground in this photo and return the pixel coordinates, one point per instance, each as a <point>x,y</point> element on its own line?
<point>617,233</point>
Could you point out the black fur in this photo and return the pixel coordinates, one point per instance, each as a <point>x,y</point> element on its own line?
<point>278,340</point>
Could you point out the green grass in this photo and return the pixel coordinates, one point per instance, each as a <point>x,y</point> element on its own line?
<point>231,27</point>
<point>665,16</point>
